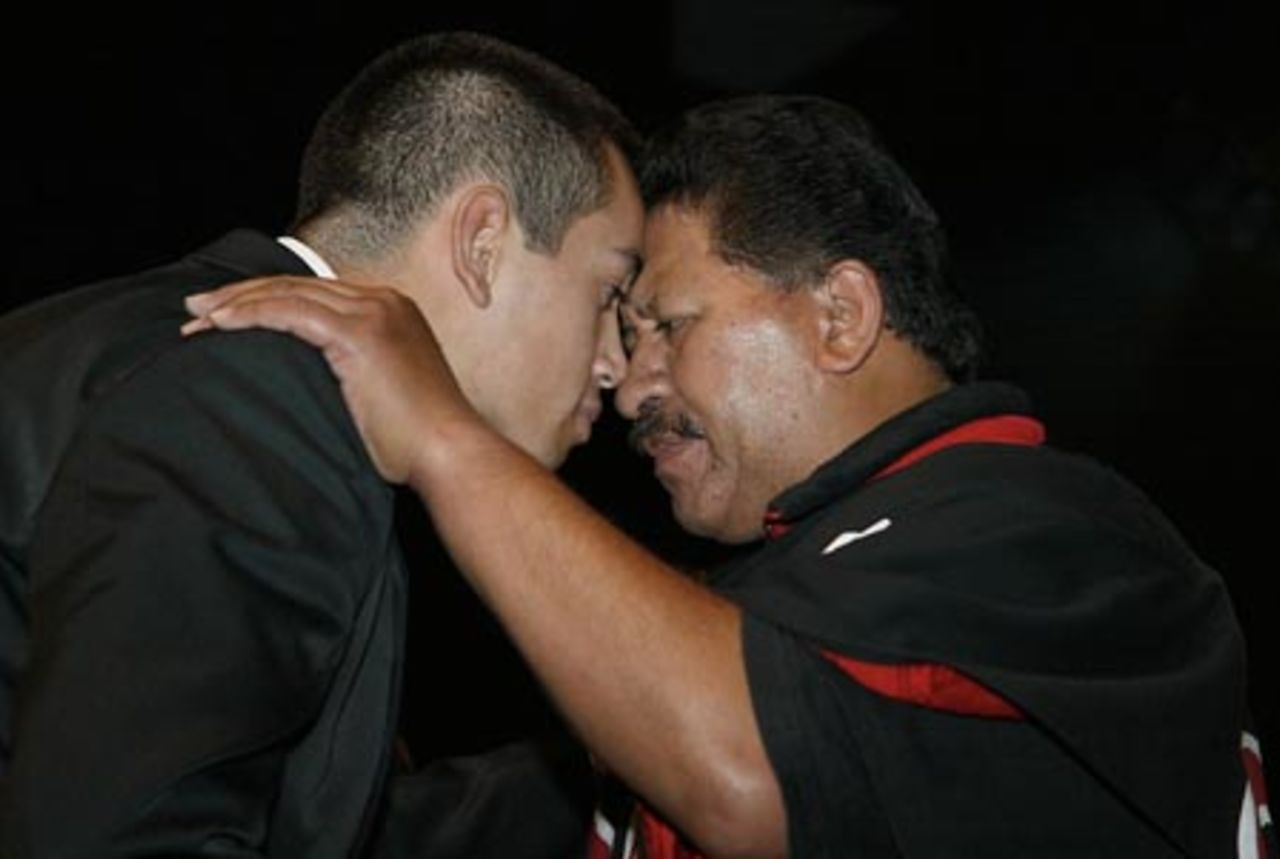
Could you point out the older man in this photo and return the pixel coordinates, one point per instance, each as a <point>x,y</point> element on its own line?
<point>202,610</point>
<point>954,639</point>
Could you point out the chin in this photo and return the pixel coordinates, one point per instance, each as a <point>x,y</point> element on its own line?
<point>716,527</point>
<point>553,457</point>
<point>558,451</point>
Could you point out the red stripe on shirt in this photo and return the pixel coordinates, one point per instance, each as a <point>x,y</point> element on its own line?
<point>596,847</point>
<point>938,687</point>
<point>1258,789</point>
<point>774,525</point>
<point>661,841</point>
<point>1002,429</point>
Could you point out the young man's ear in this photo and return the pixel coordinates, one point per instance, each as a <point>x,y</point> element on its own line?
<point>851,314</point>
<point>480,221</point>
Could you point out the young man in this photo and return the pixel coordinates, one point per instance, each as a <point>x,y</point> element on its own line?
<point>203,597</point>
<point>954,640</point>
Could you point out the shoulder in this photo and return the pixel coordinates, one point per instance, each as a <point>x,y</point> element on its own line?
<point>81,342</point>
<point>251,420</point>
<point>981,537</point>
<point>257,395</point>
<point>969,493</point>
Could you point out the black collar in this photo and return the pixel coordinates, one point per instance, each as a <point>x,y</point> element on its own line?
<point>867,456</point>
<point>252,254</point>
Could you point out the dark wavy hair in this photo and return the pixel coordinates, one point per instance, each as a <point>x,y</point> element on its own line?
<point>793,184</point>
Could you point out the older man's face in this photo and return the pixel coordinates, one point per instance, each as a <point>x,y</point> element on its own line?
<point>720,360</point>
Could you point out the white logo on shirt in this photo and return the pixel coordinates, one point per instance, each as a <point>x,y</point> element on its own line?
<point>847,537</point>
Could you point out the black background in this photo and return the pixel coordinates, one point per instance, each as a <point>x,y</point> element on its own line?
<point>1110,176</point>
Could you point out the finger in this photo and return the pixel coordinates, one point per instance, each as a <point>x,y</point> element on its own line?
<point>201,303</point>
<point>195,326</point>
<point>313,321</point>
<point>302,291</point>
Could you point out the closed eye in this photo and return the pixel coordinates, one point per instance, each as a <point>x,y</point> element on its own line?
<point>632,323</point>
<point>615,294</point>
<point>667,327</point>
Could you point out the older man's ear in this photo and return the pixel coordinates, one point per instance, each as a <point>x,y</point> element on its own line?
<point>851,316</point>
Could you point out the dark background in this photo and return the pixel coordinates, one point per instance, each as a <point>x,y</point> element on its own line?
<point>1110,176</point>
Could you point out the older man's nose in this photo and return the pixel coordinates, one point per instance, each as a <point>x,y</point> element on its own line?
<point>647,377</point>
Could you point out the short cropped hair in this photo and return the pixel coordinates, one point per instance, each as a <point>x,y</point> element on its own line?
<point>446,108</point>
<point>791,185</point>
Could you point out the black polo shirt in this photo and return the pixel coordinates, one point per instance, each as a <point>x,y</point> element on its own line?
<point>949,550</point>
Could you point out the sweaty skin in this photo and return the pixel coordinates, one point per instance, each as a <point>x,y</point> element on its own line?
<point>645,663</point>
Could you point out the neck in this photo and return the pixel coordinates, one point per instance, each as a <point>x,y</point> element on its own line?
<point>895,378</point>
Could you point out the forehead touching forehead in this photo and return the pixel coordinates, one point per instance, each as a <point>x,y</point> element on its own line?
<point>673,240</point>
<point>682,257</point>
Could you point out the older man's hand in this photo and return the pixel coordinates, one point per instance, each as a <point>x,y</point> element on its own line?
<point>396,382</point>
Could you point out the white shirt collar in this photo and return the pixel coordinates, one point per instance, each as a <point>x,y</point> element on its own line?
<point>314,261</point>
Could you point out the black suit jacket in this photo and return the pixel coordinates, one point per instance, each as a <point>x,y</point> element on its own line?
<point>202,610</point>
<point>202,602</point>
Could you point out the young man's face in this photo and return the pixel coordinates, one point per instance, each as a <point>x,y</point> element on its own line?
<point>720,365</point>
<point>564,326</point>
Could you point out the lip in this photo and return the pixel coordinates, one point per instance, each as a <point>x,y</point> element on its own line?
<point>671,454</point>
<point>584,419</point>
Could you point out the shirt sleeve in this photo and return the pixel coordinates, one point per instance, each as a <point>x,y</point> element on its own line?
<point>866,775</point>
<point>801,706</point>
<point>194,572</point>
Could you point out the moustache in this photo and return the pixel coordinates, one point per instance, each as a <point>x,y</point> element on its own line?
<point>653,421</point>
